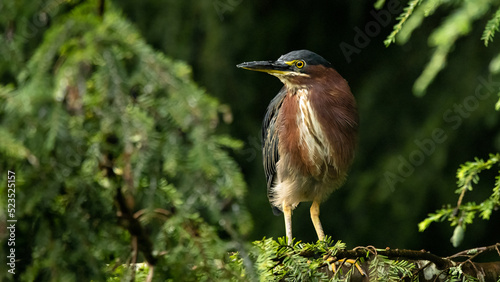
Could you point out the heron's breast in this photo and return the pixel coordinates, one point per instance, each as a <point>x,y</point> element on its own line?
<point>303,136</point>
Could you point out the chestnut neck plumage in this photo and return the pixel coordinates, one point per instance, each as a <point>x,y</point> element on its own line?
<point>323,116</point>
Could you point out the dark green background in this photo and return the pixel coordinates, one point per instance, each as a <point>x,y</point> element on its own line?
<point>214,36</point>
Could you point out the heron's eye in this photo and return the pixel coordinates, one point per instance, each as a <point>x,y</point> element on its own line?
<point>300,64</point>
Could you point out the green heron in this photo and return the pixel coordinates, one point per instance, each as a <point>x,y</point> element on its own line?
<point>308,134</point>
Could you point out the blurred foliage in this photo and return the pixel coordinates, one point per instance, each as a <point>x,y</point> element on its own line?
<point>89,104</point>
<point>141,272</point>
<point>454,26</point>
<point>95,112</point>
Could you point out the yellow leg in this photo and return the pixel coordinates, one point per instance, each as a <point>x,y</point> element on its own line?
<point>315,219</point>
<point>287,211</point>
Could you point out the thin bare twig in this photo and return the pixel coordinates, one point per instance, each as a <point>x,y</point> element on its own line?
<point>472,253</point>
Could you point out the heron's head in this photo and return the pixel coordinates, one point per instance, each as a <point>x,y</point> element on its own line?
<point>291,67</point>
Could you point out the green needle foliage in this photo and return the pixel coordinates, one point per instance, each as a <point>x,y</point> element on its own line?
<point>277,261</point>
<point>491,28</point>
<point>457,274</point>
<point>457,24</point>
<point>464,213</point>
<point>384,269</point>
<point>96,124</point>
<point>407,12</point>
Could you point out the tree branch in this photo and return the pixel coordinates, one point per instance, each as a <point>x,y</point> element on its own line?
<point>427,266</point>
<point>132,224</point>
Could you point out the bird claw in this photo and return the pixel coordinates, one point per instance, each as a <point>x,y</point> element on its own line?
<point>333,266</point>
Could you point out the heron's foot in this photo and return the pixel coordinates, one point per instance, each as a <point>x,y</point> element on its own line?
<point>332,263</point>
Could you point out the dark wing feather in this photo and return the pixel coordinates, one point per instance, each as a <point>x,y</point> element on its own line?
<point>269,136</point>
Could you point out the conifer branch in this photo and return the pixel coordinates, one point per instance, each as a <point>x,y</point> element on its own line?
<point>491,28</point>
<point>134,227</point>
<point>407,12</point>
<point>326,260</point>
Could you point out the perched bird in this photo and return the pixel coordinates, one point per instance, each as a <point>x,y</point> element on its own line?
<point>308,134</point>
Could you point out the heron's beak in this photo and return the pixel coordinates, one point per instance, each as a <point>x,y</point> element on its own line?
<point>271,67</point>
